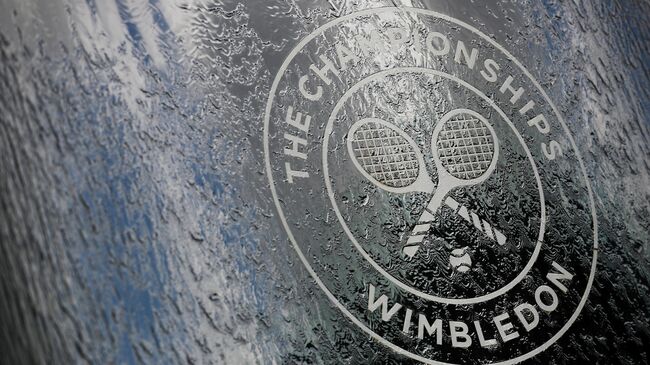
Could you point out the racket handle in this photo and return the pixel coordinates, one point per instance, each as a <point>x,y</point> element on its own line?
<point>424,223</point>
<point>480,224</point>
<point>417,236</point>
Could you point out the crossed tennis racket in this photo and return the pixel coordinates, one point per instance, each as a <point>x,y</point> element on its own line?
<point>465,151</point>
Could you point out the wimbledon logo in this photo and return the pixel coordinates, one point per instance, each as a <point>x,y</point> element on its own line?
<point>430,187</point>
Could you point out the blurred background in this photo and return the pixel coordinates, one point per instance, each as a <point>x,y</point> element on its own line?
<point>136,222</point>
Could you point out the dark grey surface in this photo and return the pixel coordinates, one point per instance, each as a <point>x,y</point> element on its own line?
<point>136,222</point>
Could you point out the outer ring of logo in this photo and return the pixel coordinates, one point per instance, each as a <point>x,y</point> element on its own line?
<point>304,260</point>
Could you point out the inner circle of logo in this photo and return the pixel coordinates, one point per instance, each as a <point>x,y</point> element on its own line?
<point>430,187</point>
<point>376,149</point>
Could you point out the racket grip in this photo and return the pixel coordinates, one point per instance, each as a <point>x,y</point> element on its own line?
<point>418,233</point>
<point>424,223</point>
<point>480,224</point>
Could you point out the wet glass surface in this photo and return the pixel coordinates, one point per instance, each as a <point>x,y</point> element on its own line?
<point>137,224</point>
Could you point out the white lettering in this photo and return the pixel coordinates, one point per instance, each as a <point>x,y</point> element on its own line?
<point>296,142</point>
<point>552,150</point>
<point>345,55</point>
<point>541,123</point>
<point>529,105</point>
<point>397,36</point>
<point>470,60</point>
<point>309,95</point>
<point>507,86</point>
<point>296,122</point>
<point>431,328</point>
<point>291,173</point>
<point>435,50</point>
<point>538,298</point>
<point>505,329</point>
<point>459,333</point>
<point>481,337</point>
<point>491,67</point>
<point>407,321</point>
<point>555,277</point>
<point>525,307</point>
<point>382,302</point>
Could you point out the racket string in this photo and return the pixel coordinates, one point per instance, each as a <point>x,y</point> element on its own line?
<point>386,155</point>
<point>465,147</point>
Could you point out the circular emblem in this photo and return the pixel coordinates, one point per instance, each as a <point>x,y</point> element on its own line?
<point>430,187</point>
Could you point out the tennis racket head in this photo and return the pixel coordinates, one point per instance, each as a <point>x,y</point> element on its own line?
<point>465,147</point>
<point>387,156</point>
